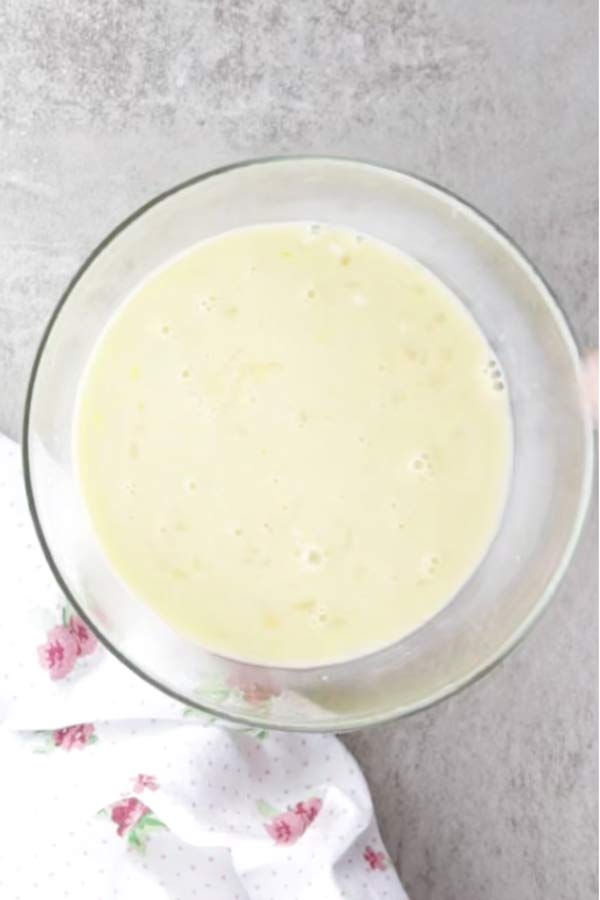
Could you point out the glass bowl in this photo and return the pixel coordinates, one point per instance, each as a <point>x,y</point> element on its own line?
<point>552,466</point>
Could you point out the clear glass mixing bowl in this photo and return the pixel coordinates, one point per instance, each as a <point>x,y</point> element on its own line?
<point>552,443</point>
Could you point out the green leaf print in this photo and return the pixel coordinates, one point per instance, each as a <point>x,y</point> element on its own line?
<point>150,822</point>
<point>135,840</point>
<point>266,810</point>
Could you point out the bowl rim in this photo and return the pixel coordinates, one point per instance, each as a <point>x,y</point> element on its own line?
<point>495,657</point>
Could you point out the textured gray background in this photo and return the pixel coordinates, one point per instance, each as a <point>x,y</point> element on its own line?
<point>491,796</point>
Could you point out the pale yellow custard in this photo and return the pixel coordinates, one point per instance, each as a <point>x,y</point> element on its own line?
<point>294,444</point>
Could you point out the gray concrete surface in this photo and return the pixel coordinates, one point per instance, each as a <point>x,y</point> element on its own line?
<point>491,796</point>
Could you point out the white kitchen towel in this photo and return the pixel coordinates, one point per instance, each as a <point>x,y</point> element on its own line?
<point>111,789</point>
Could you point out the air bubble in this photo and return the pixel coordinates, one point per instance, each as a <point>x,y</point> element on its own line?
<point>430,564</point>
<point>359,238</point>
<point>320,616</point>
<point>336,249</point>
<point>493,371</point>
<point>311,293</point>
<point>191,485</point>
<point>314,229</point>
<point>205,304</point>
<point>421,464</point>
<point>359,299</point>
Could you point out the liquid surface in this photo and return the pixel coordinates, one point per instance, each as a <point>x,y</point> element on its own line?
<point>294,444</point>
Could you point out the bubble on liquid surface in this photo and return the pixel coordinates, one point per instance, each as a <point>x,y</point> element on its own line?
<point>320,616</point>
<point>430,565</point>
<point>359,238</point>
<point>313,231</point>
<point>359,299</point>
<point>494,373</point>
<point>421,465</point>
<point>205,304</point>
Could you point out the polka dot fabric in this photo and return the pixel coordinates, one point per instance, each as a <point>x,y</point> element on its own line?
<point>111,791</point>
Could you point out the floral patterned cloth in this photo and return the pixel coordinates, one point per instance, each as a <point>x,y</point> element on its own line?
<point>112,789</point>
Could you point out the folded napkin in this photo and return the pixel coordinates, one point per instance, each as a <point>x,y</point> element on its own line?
<point>111,789</point>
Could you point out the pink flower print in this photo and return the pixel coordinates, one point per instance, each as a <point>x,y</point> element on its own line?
<point>85,639</point>
<point>127,814</point>
<point>308,810</point>
<point>59,653</point>
<point>256,693</point>
<point>145,781</point>
<point>375,859</point>
<point>286,828</point>
<point>253,692</point>
<point>78,736</point>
